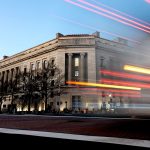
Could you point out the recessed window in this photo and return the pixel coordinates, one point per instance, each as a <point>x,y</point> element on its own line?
<point>53,62</point>
<point>76,61</point>
<point>17,70</point>
<point>53,72</point>
<point>76,73</point>
<point>4,106</point>
<point>32,66</point>
<point>52,83</point>
<point>25,70</point>
<point>38,65</point>
<point>45,63</point>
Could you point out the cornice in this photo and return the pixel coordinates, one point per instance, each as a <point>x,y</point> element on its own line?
<point>46,51</point>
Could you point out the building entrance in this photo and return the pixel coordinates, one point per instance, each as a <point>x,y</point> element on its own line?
<point>76,103</point>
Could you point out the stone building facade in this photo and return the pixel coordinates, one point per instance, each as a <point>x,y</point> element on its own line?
<point>80,57</point>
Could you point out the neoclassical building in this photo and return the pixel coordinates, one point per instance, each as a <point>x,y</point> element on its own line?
<point>81,57</point>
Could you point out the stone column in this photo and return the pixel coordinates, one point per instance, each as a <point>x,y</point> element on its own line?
<point>8,73</point>
<point>0,76</point>
<point>12,74</point>
<point>69,66</point>
<point>0,79</point>
<point>5,76</point>
<point>82,69</point>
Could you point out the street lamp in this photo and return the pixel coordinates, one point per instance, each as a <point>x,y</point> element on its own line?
<point>58,98</point>
<point>66,104</point>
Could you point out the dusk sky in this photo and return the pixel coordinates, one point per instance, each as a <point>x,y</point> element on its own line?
<point>27,23</point>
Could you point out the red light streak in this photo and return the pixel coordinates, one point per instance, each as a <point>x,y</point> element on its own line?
<point>114,14</point>
<point>100,13</point>
<point>148,1</point>
<point>125,83</point>
<point>125,75</point>
<point>125,14</point>
<point>94,28</point>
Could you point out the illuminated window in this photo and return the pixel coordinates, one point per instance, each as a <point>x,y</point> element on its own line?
<point>76,73</point>
<point>76,61</point>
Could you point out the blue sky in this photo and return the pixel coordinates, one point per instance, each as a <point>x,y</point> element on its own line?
<point>27,23</point>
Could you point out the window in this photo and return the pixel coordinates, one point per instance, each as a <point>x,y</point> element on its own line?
<point>52,72</point>
<point>17,70</point>
<point>76,61</point>
<point>25,70</point>
<point>45,64</point>
<point>76,102</point>
<point>4,106</point>
<point>38,65</point>
<point>53,62</point>
<point>76,73</point>
<point>52,83</point>
<point>32,67</point>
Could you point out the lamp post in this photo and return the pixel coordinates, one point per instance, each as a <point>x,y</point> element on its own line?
<point>58,98</point>
<point>66,104</point>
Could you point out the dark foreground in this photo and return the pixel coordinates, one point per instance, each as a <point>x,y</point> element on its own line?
<point>130,128</point>
<point>28,142</point>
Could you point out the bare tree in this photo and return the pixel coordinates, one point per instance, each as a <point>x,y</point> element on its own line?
<point>2,93</point>
<point>28,88</point>
<point>40,84</point>
<point>3,90</point>
<point>11,87</point>
<point>50,81</point>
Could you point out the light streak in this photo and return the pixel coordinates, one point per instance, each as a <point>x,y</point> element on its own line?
<point>136,69</point>
<point>94,28</point>
<point>106,94</point>
<point>125,83</point>
<point>111,90</point>
<point>125,75</point>
<point>103,14</point>
<point>148,1</point>
<point>114,14</point>
<point>103,85</point>
<point>125,14</point>
<point>117,95</point>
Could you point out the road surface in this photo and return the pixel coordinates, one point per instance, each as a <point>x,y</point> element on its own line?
<point>129,130</point>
